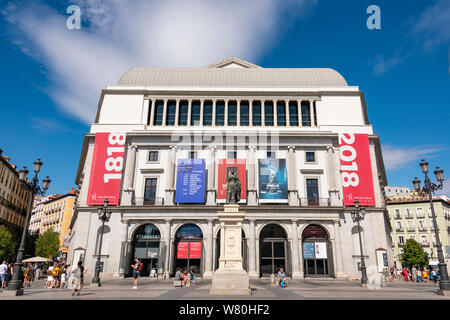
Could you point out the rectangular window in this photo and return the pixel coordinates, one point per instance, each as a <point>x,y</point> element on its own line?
<point>310,157</point>
<point>315,113</point>
<point>232,113</point>
<point>207,113</point>
<point>244,113</point>
<point>153,156</point>
<point>268,113</point>
<point>397,213</point>
<point>256,113</point>
<point>159,110</point>
<point>150,191</point>
<point>281,113</point>
<point>183,113</point>
<point>271,154</point>
<point>232,155</point>
<point>220,113</point>
<point>293,113</point>
<point>306,115</point>
<point>193,154</point>
<point>195,116</point>
<point>401,239</point>
<point>171,110</point>
<point>312,190</point>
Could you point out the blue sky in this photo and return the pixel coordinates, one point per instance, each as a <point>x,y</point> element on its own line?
<point>52,77</point>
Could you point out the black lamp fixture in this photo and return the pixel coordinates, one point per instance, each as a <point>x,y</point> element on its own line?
<point>104,215</point>
<point>357,216</point>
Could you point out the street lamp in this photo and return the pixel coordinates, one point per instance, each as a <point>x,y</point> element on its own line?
<point>428,189</point>
<point>357,216</point>
<point>103,215</point>
<point>16,282</point>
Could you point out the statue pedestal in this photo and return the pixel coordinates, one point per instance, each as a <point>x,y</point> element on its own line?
<point>230,278</point>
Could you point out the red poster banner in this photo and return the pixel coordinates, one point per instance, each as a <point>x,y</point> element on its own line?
<point>226,166</point>
<point>106,169</point>
<point>356,169</point>
<point>195,250</point>
<point>183,250</point>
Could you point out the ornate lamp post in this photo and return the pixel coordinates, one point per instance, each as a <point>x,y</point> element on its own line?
<point>103,215</point>
<point>16,282</point>
<point>357,216</point>
<point>428,189</point>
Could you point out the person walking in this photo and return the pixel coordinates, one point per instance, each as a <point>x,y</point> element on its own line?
<point>63,277</point>
<point>405,274</point>
<point>77,273</point>
<point>414,274</point>
<point>435,276</point>
<point>27,276</point>
<point>137,266</point>
<point>50,278</point>
<point>3,273</point>
<point>191,274</point>
<point>425,275</point>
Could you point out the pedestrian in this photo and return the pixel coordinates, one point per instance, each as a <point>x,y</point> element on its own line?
<point>27,276</point>
<point>178,276</point>
<point>77,273</point>
<point>414,274</point>
<point>419,275</point>
<point>434,274</point>
<point>425,275</point>
<point>405,274</point>
<point>137,266</point>
<point>3,273</point>
<point>55,275</point>
<point>63,277</point>
<point>186,280</point>
<point>50,278</point>
<point>191,274</point>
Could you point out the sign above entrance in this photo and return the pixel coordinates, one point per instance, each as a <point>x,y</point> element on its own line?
<point>106,169</point>
<point>190,181</point>
<point>183,250</point>
<point>226,166</point>
<point>195,250</point>
<point>356,169</point>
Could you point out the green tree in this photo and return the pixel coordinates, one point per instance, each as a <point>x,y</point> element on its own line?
<point>413,254</point>
<point>47,244</point>
<point>7,243</point>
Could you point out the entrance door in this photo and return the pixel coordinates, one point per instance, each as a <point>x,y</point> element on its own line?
<point>317,252</point>
<point>188,249</point>
<point>273,256</point>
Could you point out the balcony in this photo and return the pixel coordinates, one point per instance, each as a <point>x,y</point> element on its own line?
<point>409,216</point>
<point>422,228</point>
<point>397,216</point>
<point>320,202</point>
<point>425,244</point>
<point>141,201</point>
<point>399,229</point>
<point>420,216</point>
<point>411,229</point>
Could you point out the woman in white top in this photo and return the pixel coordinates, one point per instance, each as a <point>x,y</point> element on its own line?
<point>63,278</point>
<point>49,277</point>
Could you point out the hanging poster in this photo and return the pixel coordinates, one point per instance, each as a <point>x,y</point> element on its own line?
<point>226,166</point>
<point>308,250</point>
<point>195,250</point>
<point>356,169</point>
<point>272,181</point>
<point>320,249</point>
<point>191,175</point>
<point>183,250</point>
<point>106,169</point>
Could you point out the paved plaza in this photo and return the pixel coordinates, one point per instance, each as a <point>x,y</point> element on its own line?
<point>151,289</point>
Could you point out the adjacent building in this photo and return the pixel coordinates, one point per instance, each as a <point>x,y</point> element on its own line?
<point>165,139</point>
<point>13,197</point>
<point>411,218</point>
<point>391,191</point>
<point>37,212</point>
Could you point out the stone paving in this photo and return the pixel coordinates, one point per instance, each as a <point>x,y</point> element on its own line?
<point>154,289</point>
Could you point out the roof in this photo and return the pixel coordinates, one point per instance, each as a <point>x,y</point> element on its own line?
<point>232,72</point>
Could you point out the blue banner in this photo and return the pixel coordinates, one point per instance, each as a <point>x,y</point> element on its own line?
<point>308,250</point>
<point>272,181</point>
<point>191,175</point>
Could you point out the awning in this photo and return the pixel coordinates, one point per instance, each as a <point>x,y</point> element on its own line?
<point>37,259</point>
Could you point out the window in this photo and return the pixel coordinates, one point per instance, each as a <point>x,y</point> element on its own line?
<point>424,239</point>
<point>153,156</point>
<point>220,113</point>
<point>150,191</point>
<point>310,156</point>
<point>193,154</point>
<point>171,110</point>
<point>159,110</point>
<point>401,239</point>
<point>399,226</point>
<point>271,154</point>
<point>183,113</point>
<point>419,212</point>
<point>397,213</point>
<point>244,112</point>
<point>232,155</point>
<point>256,113</point>
<point>207,113</point>
<point>195,116</point>
<point>268,113</point>
<point>293,113</point>
<point>281,113</point>
<point>312,190</point>
<point>306,115</point>
<point>232,113</point>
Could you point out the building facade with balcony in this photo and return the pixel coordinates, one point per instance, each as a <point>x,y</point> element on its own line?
<point>13,198</point>
<point>225,115</point>
<point>411,217</point>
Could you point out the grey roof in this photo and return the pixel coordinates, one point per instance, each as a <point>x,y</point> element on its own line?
<point>246,76</point>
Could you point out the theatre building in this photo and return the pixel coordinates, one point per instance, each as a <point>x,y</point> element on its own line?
<point>165,139</point>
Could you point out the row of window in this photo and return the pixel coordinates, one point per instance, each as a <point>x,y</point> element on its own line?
<point>411,227</point>
<point>312,191</point>
<point>423,238</point>
<point>256,113</point>
<point>409,213</point>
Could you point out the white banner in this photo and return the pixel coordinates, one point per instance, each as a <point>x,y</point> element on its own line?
<point>321,250</point>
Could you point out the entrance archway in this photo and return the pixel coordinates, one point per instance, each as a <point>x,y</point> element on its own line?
<point>272,250</point>
<point>317,252</point>
<point>146,247</point>
<point>243,251</point>
<point>188,248</point>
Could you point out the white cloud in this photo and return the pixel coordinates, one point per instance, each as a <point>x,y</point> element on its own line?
<point>446,189</point>
<point>123,34</point>
<point>398,157</point>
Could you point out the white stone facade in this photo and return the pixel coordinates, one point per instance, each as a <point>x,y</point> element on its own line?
<point>334,107</point>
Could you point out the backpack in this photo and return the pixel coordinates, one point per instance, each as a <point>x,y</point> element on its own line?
<point>283,284</point>
<point>141,265</point>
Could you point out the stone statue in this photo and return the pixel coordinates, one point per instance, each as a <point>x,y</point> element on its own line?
<point>233,188</point>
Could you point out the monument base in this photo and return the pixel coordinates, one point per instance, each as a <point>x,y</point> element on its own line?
<point>230,282</point>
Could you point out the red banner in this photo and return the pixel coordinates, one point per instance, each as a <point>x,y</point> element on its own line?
<point>356,169</point>
<point>183,250</point>
<point>106,169</point>
<point>195,250</point>
<point>226,166</point>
